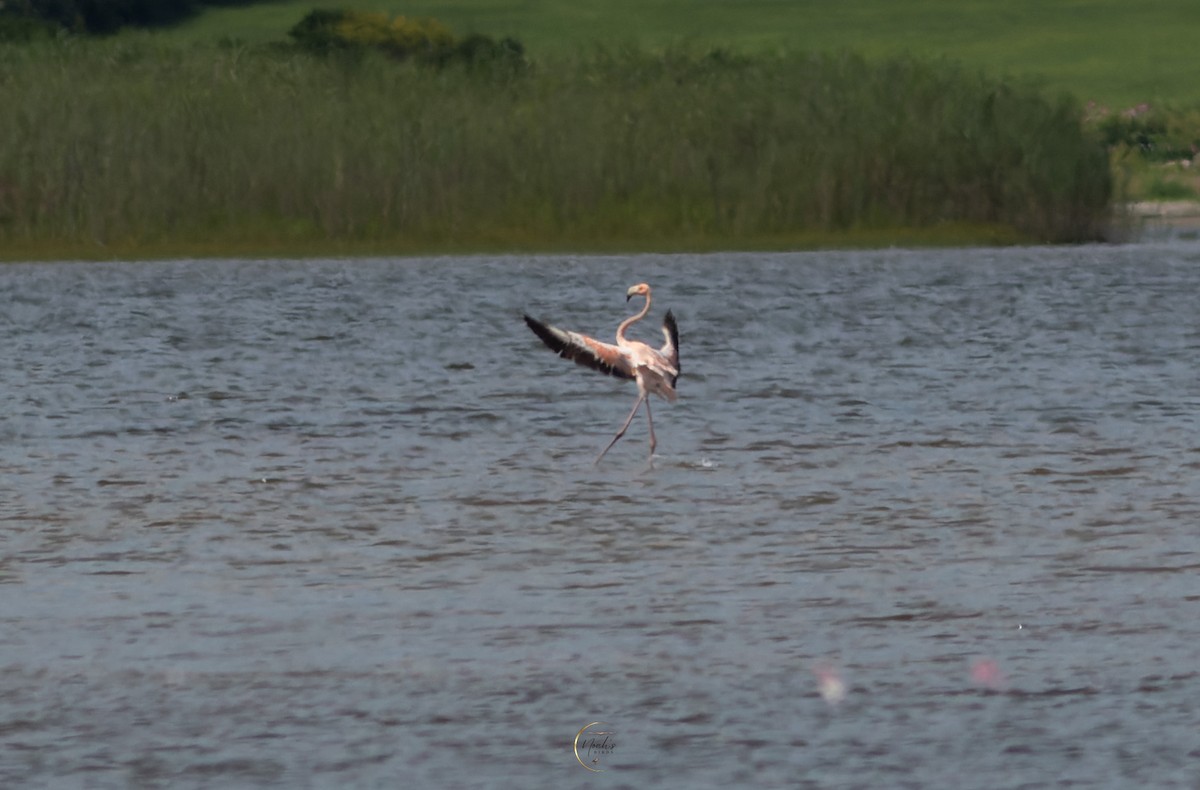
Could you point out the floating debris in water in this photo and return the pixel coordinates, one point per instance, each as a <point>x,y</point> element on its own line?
<point>829,684</point>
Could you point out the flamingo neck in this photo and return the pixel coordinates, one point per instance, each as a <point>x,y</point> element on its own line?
<point>631,320</point>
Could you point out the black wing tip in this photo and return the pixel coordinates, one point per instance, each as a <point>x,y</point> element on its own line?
<point>539,328</point>
<point>673,331</point>
<point>543,332</point>
<point>672,328</point>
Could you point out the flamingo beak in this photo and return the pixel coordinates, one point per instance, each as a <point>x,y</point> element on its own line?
<point>632,292</point>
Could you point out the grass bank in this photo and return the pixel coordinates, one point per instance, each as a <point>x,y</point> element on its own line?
<point>1111,51</point>
<point>124,148</point>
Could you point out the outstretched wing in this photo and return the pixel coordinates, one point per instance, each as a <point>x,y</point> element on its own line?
<point>583,350</point>
<point>670,349</point>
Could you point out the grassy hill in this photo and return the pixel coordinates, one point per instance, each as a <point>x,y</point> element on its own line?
<point>1112,51</point>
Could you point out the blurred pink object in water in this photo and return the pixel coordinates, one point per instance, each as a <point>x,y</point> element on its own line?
<point>829,683</point>
<point>986,672</point>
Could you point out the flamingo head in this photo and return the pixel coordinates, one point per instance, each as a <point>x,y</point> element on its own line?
<point>641,289</point>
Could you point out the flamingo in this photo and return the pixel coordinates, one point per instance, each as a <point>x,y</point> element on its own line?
<point>654,370</point>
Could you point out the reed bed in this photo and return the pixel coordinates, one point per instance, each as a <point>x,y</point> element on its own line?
<point>132,144</point>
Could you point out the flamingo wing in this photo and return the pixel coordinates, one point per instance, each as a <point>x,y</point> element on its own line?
<point>670,349</point>
<point>583,350</point>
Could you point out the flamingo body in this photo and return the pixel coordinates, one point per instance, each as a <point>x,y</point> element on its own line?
<point>655,370</point>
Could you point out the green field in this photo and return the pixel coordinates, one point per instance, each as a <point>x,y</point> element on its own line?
<point>1112,51</point>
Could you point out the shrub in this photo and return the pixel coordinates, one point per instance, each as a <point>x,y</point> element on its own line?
<point>480,52</point>
<point>16,28</point>
<point>1159,136</point>
<point>317,31</point>
<point>325,30</point>
<point>427,41</point>
<point>96,16</point>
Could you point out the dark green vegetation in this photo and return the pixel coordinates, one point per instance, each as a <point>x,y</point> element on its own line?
<point>134,148</point>
<point>428,41</point>
<point>1155,153</point>
<point>23,20</point>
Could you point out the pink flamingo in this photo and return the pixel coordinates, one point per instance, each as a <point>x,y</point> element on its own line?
<point>654,370</point>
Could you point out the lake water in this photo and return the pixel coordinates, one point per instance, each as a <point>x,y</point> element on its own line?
<point>919,519</point>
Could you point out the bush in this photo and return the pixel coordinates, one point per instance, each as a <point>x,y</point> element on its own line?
<point>15,28</point>
<point>427,41</point>
<point>1158,135</point>
<point>325,30</point>
<point>95,16</point>
<point>317,31</point>
<point>400,37</point>
<point>479,52</point>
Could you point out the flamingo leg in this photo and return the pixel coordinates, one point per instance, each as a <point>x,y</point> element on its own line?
<point>620,433</point>
<point>653,441</point>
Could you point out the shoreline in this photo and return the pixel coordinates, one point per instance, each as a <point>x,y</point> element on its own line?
<point>268,247</point>
<point>1169,217</point>
<point>1171,213</point>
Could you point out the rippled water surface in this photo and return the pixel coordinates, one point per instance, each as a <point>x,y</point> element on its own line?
<point>336,523</point>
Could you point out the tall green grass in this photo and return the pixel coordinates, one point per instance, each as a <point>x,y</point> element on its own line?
<point>135,145</point>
